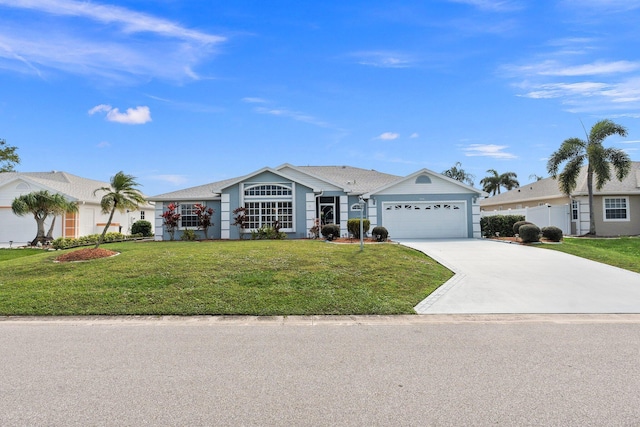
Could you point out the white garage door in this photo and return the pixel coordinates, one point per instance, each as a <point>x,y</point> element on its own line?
<point>14,228</point>
<point>425,219</point>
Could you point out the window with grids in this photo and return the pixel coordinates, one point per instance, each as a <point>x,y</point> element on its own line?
<point>141,214</point>
<point>267,203</point>
<point>574,210</point>
<point>615,208</point>
<point>188,218</point>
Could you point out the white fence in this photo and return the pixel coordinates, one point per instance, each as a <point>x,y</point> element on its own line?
<point>542,216</point>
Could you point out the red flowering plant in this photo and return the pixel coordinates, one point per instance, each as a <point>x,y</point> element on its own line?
<point>171,219</point>
<point>203,214</point>
<point>240,219</point>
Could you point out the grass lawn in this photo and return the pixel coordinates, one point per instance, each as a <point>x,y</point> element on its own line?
<point>7,254</point>
<point>291,277</point>
<point>623,252</point>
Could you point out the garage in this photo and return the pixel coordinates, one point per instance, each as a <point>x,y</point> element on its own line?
<point>433,220</point>
<point>19,230</point>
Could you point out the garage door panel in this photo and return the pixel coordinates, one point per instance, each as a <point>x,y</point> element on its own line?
<point>425,219</point>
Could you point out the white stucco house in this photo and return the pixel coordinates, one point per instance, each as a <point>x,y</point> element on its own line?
<point>424,204</point>
<point>88,219</point>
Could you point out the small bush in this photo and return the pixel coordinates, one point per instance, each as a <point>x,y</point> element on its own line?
<point>529,233</point>
<point>91,239</point>
<point>380,233</point>
<point>502,224</point>
<point>188,235</point>
<point>353,226</point>
<point>142,227</point>
<point>552,233</point>
<point>268,233</point>
<point>330,231</point>
<point>517,225</point>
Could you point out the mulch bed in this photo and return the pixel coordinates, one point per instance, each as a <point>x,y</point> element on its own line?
<point>86,255</point>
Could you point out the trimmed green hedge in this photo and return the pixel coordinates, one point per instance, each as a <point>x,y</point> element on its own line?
<point>502,224</point>
<point>353,225</point>
<point>92,239</point>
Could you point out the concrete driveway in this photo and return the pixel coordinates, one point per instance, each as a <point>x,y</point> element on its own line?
<point>497,277</point>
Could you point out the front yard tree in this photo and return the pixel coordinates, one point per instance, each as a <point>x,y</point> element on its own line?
<point>41,204</point>
<point>495,181</point>
<point>574,152</point>
<point>171,219</point>
<point>456,172</point>
<point>203,214</point>
<point>8,157</point>
<point>120,196</point>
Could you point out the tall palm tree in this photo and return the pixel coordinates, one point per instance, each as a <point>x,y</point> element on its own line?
<point>509,180</point>
<point>456,172</point>
<point>41,204</point>
<point>66,207</point>
<point>491,184</point>
<point>575,151</point>
<point>495,181</point>
<point>120,196</point>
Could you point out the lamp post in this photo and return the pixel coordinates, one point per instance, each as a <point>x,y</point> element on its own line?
<point>361,204</point>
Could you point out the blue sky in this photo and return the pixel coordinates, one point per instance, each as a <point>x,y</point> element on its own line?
<point>181,93</point>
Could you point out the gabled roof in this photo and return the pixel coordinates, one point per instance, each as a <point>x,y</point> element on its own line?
<point>424,171</point>
<point>350,179</point>
<point>72,186</point>
<point>548,188</point>
<point>213,190</point>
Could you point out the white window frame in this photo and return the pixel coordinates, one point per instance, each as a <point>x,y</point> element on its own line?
<point>277,196</point>
<point>141,215</point>
<point>188,227</point>
<point>626,209</point>
<point>575,210</point>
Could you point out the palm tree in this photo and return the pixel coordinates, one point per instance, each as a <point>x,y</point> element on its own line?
<point>575,151</point>
<point>41,204</point>
<point>456,172</point>
<point>492,183</point>
<point>120,196</point>
<point>66,207</point>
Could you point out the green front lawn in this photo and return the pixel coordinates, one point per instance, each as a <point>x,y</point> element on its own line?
<point>623,252</point>
<point>300,277</point>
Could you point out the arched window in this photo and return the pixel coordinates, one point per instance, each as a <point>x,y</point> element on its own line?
<point>423,179</point>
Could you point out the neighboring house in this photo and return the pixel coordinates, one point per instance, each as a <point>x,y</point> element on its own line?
<point>616,205</point>
<point>424,204</point>
<point>88,219</point>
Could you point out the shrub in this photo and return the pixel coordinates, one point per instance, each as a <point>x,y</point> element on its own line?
<point>353,226</point>
<point>91,239</point>
<point>203,214</point>
<point>188,235</point>
<point>502,224</point>
<point>529,233</point>
<point>552,233</point>
<point>380,233</point>
<point>171,219</point>
<point>517,225</point>
<point>142,227</point>
<point>330,231</point>
<point>268,233</point>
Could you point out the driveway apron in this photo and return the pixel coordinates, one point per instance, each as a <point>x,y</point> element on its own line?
<point>497,277</point>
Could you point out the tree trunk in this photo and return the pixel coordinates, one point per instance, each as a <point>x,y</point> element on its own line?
<point>592,218</point>
<point>40,237</point>
<point>106,227</point>
<point>49,237</point>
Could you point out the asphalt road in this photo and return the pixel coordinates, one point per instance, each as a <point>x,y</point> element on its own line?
<point>559,370</point>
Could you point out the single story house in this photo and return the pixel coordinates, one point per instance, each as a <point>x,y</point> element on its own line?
<point>616,206</point>
<point>88,220</point>
<point>424,204</point>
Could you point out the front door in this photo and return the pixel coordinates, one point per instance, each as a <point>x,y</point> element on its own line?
<point>327,213</point>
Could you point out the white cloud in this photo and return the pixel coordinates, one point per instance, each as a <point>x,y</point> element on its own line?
<point>556,68</point>
<point>488,150</point>
<point>127,45</point>
<point>295,115</point>
<point>133,116</point>
<point>414,135</point>
<point>388,136</point>
<point>103,144</point>
<point>254,100</point>
<point>383,59</point>
<point>492,5</point>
